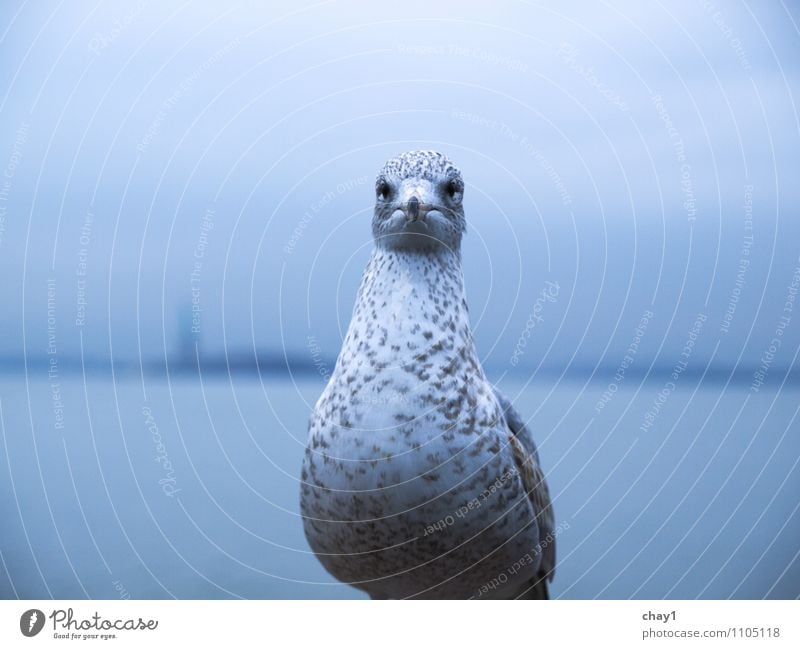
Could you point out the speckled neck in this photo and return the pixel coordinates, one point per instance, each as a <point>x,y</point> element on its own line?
<point>409,346</point>
<point>407,302</point>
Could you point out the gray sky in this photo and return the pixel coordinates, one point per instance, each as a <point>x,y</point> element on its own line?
<point>626,151</point>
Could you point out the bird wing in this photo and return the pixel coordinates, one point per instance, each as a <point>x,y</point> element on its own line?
<point>526,457</point>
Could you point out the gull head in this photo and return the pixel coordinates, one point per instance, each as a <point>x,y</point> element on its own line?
<point>418,203</point>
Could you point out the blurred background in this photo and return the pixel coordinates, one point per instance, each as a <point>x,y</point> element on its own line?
<point>185,196</point>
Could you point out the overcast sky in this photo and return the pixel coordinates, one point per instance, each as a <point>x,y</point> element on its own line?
<point>643,156</point>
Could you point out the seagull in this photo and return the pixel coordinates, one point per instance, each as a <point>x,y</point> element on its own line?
<point>420,479</point>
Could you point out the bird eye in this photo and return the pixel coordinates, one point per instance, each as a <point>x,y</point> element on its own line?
<point>384,190</point>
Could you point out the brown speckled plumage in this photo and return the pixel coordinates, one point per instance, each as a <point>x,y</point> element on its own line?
<point>419,479</point>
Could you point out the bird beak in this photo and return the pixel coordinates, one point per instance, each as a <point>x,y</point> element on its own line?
<point>415,210</point>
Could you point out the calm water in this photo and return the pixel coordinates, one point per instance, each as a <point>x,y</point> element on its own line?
<point>188,489</point>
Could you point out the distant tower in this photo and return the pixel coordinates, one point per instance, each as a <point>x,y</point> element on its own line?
<point>188,338</point>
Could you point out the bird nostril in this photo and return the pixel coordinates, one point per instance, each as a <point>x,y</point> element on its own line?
<point>413,208</point>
